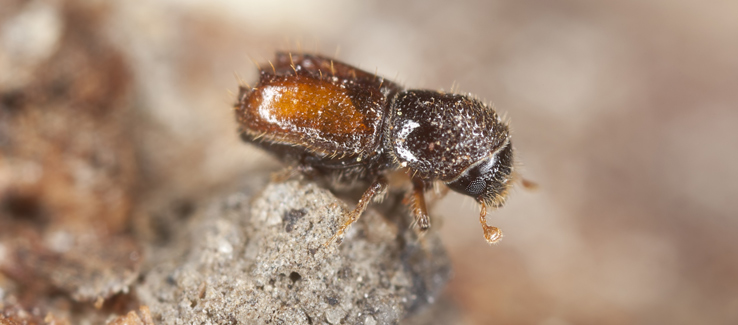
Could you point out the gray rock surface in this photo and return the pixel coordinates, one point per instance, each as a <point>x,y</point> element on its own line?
<point>260,260</point>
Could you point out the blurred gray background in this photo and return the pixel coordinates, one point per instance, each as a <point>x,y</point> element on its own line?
<point>624,113</point>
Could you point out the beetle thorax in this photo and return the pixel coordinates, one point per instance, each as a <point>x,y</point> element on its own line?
<point>438,135</point>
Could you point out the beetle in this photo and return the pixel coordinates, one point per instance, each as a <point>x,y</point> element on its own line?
<point>327,117</point>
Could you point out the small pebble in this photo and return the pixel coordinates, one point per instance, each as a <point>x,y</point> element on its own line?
<point>334,315</point>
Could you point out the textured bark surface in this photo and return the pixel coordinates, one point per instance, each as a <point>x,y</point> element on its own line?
<point>257,259</point>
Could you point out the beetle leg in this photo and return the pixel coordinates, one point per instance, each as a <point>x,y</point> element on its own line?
<point>491,234</point>
<point>418,206</point>
<point>378,187</point>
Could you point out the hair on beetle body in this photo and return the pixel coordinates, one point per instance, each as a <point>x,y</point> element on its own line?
<point>352,125</point>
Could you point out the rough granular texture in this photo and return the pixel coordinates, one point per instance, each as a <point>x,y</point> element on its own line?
<point>261,260</point>
<point>142,317</point>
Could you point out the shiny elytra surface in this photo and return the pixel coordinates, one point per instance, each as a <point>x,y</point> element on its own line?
<point>331,111</point>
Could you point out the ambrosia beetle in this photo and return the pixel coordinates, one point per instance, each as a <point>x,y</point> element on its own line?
<point>327,117</point>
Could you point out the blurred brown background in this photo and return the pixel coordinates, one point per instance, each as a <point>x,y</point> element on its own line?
<point>624,113</point>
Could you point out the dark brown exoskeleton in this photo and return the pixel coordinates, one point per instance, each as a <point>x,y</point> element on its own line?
<point>327,117</point>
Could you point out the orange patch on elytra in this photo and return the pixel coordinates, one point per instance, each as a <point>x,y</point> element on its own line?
<point>320,106</point>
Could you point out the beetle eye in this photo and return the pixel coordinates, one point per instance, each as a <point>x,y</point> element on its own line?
<point>472,182</point>
<point>487,178</point>
<point>476,187</point>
